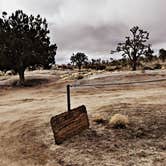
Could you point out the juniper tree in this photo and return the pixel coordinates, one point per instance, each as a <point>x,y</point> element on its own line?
<point>24,42</point>
<point>79,59</point>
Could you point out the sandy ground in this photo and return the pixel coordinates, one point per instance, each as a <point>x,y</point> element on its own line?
<point>26,137</point>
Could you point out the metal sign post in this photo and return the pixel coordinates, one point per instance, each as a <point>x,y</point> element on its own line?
<point>68,98</point>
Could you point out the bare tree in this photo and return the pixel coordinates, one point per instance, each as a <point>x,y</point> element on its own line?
<point>135,46</point>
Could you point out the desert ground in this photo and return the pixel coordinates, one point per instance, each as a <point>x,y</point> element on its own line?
<point>26,138</point>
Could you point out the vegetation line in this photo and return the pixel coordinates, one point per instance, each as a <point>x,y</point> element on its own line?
<point>120,83</point>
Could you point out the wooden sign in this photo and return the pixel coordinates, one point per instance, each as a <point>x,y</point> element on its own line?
<point>70,123</point>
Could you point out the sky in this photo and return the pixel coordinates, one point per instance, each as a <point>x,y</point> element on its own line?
<point>95,26</point>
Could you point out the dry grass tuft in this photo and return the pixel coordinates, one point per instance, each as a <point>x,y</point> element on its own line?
<point>119,121</point>
<point>99,119</point>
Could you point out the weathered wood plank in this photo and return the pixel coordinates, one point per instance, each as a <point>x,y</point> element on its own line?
<point>69,124</point>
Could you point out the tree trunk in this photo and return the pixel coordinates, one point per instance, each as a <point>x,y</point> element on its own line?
<point>134,61</point>
<point>134,66</point>
<point>21,77</point>
<point>79,67</point>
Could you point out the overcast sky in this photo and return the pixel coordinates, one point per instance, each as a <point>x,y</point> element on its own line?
<point>95,26</point>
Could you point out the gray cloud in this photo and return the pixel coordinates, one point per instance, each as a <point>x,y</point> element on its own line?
<point>95,26</point>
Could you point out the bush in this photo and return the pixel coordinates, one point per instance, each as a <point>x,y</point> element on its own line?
<point>119,121</point>
<point>157,66</point>
<point>79,77</point>
<point>112,68</point>
<point>10,73</point>
<point>96,66</point>
<point>147,68</point>
<point>2,73</point>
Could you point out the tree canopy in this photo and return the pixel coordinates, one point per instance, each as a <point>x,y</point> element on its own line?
<point>135,46</point>
<point>24,42</point>
<point>79,59</point>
